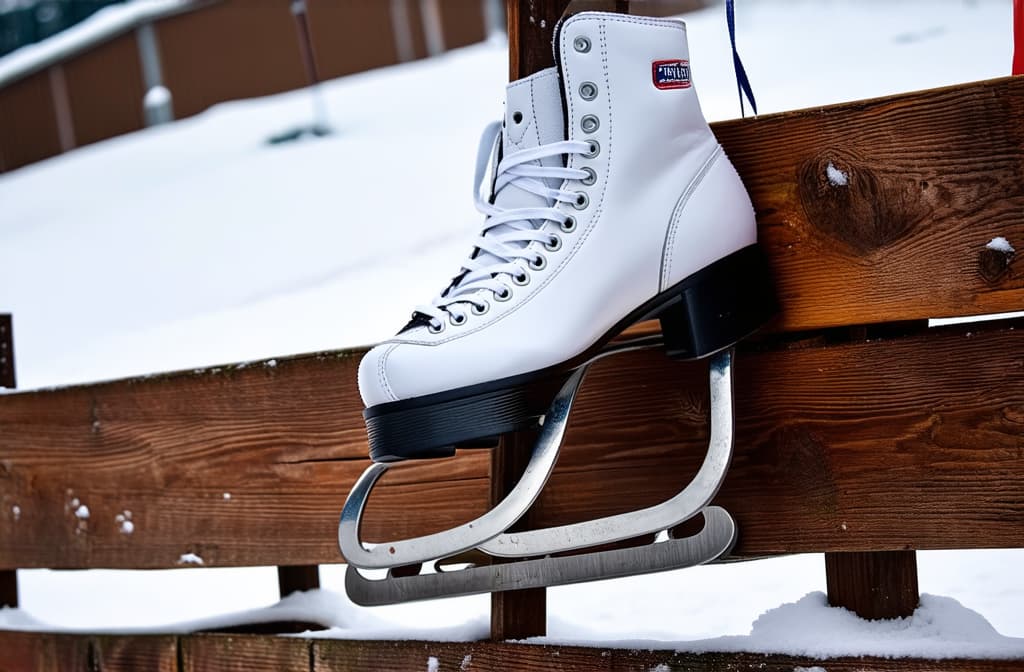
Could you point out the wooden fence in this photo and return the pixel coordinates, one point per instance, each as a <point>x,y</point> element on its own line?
<point>862,433</point>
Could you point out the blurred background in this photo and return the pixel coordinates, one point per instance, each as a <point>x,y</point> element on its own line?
<point>144,62</point>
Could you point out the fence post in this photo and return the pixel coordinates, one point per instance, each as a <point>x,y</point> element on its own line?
<point>294,579</point>
<point>522,613</point>
<point>881,584</point>
<point>8,577</point>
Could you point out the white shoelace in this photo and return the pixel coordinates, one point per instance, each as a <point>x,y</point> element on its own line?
<point>501,248</point>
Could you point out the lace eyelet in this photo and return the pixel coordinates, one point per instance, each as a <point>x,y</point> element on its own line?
<point>588,90</point>
<point>569,225</point>
<point>581,44</point>
<point>457,319</point>
<point>517,117</point>
<point>435,330</point>
<point>521,279</point>
<point>590,178</point>
<point>554,243</point>
<point>538,263</point>
<point>481,309</point>
<point>582,201</point>
<point>595,149</point>
<point>504,295</point>
<point>589,123</point>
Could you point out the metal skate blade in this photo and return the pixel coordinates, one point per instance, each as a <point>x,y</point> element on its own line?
<point>714,541</point>
<point>679,508</point>
<point>469,535</point>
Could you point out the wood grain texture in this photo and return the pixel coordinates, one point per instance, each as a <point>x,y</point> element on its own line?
<point>36,652</point>
<point>931,177</point>
<point>873,585</point>
<point>245,653</point>
<point>892,444</point>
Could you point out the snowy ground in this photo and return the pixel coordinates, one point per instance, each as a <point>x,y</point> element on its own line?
<point>197,243</point>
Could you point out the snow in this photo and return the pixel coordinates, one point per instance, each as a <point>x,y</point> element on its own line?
<point>836,177</point>
<point>102,25</point>
<point>433,665</point>
<point>1000,244</point>
<point>940,628</point>
<point>124,522</point>
<point>82,512</point>
<point>196,243</point>
<point>16,512</point>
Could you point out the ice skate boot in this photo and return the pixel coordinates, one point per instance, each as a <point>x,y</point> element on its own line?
<point>609,202</point>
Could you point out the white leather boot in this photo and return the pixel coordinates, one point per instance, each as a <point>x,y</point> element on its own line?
<point>611,203</point>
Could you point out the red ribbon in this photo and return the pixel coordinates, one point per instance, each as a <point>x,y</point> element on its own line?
<point>1018,37</point>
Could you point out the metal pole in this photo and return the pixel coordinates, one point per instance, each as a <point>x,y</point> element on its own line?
<point>433,29</point>
<point>157,103</point>
<point>402,30</point>
<point>300,12</point>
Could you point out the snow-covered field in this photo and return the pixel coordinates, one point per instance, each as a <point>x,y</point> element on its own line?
<point>197,243</point>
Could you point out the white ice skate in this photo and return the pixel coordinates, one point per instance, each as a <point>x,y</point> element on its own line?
<point>610,202</point>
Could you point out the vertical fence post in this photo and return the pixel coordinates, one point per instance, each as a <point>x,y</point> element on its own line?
<point>294,579</point>
<point>519,613</point>
<point>9,577</point>
<point>880,584</point>
<point>522,613</point>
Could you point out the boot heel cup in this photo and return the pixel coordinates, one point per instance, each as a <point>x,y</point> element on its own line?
<point>719,305</point>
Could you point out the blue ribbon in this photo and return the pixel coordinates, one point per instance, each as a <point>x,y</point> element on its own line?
<point>742,83</point>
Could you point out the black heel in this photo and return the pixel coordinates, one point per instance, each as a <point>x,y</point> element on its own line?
<point>719,305</point>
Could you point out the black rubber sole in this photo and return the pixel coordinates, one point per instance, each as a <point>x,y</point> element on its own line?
<point>705,313</point>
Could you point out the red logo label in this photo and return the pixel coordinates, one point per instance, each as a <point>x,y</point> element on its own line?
<point>673,74</point>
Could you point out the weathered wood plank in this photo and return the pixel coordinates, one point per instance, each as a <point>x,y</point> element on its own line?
<point>357,656</point>
<point>245,653</point>
<point>44,652</point>
<point>930,178</point>
<point>251,466</point>
<point>34,652</point>
<point>121,653</point>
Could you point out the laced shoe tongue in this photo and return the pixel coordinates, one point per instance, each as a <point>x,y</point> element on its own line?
<point>533,117</point>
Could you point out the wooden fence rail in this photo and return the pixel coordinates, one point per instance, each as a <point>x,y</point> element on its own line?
<point>32,652</point>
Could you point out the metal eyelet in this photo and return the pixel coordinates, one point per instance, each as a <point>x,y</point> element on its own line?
<point>480,310</point>
<point>590,123</point>
<point>457,318</point>
<point>435,330</point>
<point>595,149</point>
<point>581,44</point>
<point>569,225</point>
<point>588,90</point>
<point>538,263</point>
<point>554,243</point>
<point>503,295</point>
<point>582,200</point>
<point>517,117</point>
<point>521,279</point>
<point>590,178</point>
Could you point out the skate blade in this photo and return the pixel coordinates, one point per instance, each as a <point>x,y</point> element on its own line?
<point>474,533</point>
<point>715,541</point>
<point>687,503</point>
